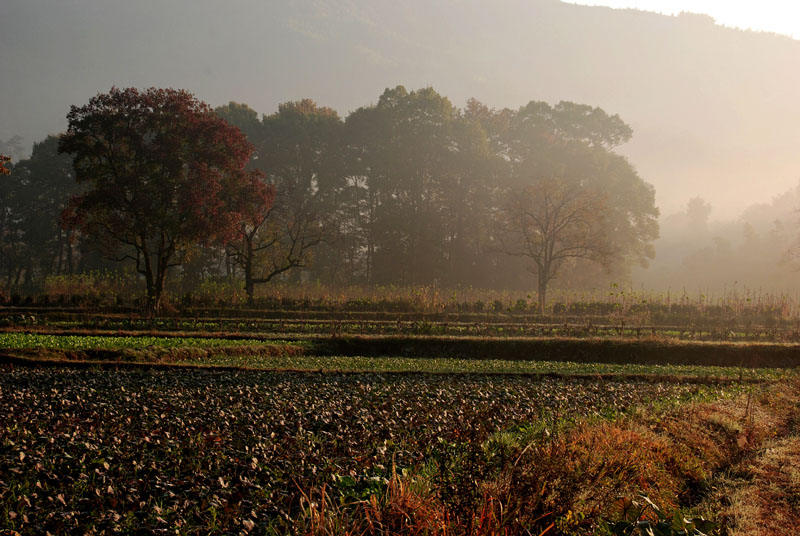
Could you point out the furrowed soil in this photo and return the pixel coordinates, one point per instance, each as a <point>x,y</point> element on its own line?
<point>92,451</point>
<point>392,423</point>
<point>95,450</point>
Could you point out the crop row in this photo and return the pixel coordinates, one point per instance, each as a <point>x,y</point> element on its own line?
<point>178,347</point>
<point>625,328</point>
<point>208,451</point>
<point>15,340</point>
<point>476,366</point>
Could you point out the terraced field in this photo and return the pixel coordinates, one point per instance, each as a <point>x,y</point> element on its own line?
<point>679,323</point>
<point>104,450</point>
<point>131,425</point>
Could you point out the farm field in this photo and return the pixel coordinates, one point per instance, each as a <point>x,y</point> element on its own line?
<point>310,324</point>
<point>131,424</point>
<point>737,316</point>
<point>243,353</point>
<point>220,450</point>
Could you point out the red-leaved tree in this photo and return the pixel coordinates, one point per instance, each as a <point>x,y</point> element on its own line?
<point>3,161</point>
<point>163,173</point>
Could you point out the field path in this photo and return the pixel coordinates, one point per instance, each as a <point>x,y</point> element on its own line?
<point>764,491</point>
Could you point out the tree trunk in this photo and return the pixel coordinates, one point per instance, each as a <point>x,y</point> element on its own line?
<point>28,274</point>
<point>542,293</point>
<point>150,281</point>
<point>10,277</point>
<point>60,260</point>
<point>158,294</point>
<point>249,284</point>
<point>162,265</point>
<point>19,275</point>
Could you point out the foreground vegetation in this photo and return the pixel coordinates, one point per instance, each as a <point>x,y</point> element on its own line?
<point>221,452</point>
<point>432,354</point>
<point>299,356</point>
<point>80,342</point>
<point>207,451</point>
<point>318,421</point>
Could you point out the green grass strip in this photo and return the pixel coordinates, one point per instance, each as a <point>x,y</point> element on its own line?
<point>86,342</point>
<point>454,365</point>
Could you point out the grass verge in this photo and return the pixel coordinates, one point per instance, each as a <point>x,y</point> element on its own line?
<point>572,481</point>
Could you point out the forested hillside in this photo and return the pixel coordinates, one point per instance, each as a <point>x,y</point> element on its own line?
<point>712,108</point>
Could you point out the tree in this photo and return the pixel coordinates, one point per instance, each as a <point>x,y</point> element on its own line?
<point>412,156</point>
<point>8,234</point>
<point>163,173</point>
<point>552,222</point>
<point>275,243</point>
<point>33,241</point>
<point>241,116</point>
<point>698,211</point>
<point>297,148</point>
<point>574,143</point>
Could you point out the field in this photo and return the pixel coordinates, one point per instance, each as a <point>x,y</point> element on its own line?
<point>318,419</point>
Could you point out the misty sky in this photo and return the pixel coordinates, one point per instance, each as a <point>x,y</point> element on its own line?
<point>714,111</point>
<point>778,16</point>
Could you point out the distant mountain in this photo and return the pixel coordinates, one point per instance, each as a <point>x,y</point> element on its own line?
<point>714,110</point>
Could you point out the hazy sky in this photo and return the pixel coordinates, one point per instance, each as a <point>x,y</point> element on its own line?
<point>778,16</point>
<point>714,111</point>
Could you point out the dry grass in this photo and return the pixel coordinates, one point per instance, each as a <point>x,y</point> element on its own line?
<point>763,497</point>
<point>567,483</point>
<point>671,457</point>
<point>407,507</point>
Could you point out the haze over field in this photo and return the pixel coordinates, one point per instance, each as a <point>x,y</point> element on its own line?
<point>713,109</point>
<point>399,267</point>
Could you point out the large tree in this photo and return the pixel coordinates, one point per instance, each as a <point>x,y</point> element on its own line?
<point>574,143</point>
<point>275,243</point>
<point>415,165</point>
<point>553,222</point>
<point>8,234</point>
<point>162,174</point>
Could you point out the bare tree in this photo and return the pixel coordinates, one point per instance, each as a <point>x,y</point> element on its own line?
<point>554,222</point>
<point>280,240</point>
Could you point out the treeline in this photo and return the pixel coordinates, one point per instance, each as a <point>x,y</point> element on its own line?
<point>410,190</point>
<point>755,252</point>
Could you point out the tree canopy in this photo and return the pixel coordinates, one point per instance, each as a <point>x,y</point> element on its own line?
<point>162,174</point>
<point>410,190</point>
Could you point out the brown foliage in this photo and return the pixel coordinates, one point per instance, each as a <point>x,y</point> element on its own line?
<point>569,482</point>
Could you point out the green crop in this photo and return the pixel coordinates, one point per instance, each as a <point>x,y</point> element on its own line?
<point>84,342</point>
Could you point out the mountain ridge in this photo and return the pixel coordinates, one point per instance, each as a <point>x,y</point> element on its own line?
<point>712,108</point>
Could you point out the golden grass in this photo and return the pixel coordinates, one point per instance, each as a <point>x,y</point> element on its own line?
<point>764,498</point>
<point>567,483</point>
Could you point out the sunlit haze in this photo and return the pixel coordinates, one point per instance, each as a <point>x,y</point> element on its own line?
<point>778,16</point>
<point>399,267</point>
<point>709,90</point>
